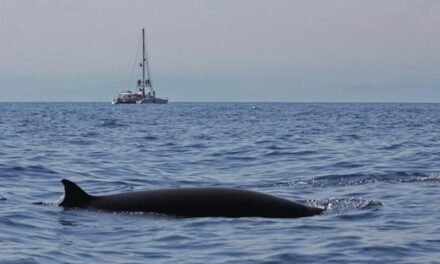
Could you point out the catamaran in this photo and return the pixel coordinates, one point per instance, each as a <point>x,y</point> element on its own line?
<point>140,96</point>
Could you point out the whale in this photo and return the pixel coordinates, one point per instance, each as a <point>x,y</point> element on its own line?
<point>189,202</point>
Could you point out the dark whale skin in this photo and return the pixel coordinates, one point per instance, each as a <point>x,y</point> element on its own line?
<point>190,202</point>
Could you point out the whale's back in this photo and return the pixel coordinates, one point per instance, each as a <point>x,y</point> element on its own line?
<point>193,202</point>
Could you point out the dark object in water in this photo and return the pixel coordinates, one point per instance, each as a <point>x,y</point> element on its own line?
<point>190,202</point>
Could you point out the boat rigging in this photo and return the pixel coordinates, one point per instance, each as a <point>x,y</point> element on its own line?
<point>140,96</point>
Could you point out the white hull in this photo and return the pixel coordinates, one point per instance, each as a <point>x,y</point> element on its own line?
<point>154,100</point>
<point>128,97</point>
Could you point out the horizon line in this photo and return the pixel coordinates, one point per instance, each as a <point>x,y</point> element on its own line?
<point>287,102</point>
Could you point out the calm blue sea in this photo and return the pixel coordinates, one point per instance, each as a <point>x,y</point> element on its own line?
<point>375,167</point>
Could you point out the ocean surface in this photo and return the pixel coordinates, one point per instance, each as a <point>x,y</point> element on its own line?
<point>374,167</point>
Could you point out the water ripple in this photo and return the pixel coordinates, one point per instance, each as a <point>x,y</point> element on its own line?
<point>372,166</point>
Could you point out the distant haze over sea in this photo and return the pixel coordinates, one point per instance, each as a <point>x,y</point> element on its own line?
<point>250,50</point>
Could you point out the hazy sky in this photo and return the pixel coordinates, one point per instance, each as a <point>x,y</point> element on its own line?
<point>223,50</point>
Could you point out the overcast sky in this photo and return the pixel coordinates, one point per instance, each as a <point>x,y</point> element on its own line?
<point>228,50</point>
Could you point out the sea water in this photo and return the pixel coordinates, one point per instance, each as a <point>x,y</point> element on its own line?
<point>374,167</point>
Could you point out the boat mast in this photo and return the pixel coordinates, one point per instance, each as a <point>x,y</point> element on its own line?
<point>143,62</point>
<point>149,84</point>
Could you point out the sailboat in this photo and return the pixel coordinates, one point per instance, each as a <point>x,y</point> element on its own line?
<point>140,96</point>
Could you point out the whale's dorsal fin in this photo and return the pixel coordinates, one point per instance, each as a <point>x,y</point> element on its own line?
<point>74,196</point>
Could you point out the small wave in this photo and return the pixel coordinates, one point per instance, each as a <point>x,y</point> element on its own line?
<point>342,180</point>
<point>391,146</point>
<point>431,178</point>
<point>89,134</point>
<point>16,168</point>
<point>81,142</point>
<point>290,153</point>
<point>263,141</point>
<point>27,169</point>
<point>194,145</point>
<point>343,205</point>
<point>135,213</point>
<point>277,153</point>
<point>360,179</point>
<point>42,203</point>
<point>110,123</point>
<point>347,165</point>
<point>203,137</point>
<point>150,138</point>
